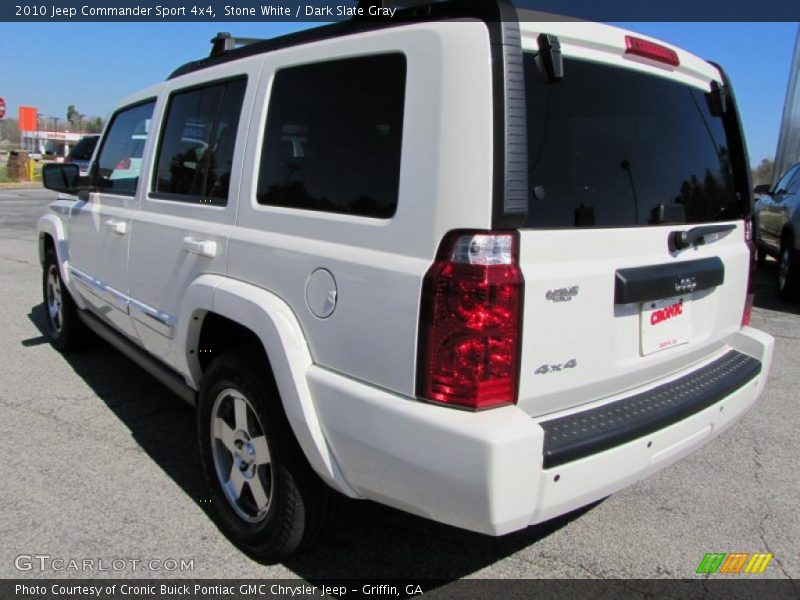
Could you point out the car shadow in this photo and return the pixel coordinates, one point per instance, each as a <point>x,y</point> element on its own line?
<point>367,541</point>
<point>764,287</point>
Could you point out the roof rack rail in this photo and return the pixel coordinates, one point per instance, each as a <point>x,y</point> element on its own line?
<point>510,185</point>
<point>224,42</point>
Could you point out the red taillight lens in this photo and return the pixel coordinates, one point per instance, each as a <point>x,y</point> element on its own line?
<point>651,50</point>
<point>123,165</point>
<point>748,300</point>
<point>470,323</point>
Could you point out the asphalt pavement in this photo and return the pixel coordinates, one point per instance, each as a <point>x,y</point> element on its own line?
<point>98,461</point>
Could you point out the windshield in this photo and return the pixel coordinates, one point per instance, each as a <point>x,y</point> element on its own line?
<point>608,145</point>
<point>84,148</point>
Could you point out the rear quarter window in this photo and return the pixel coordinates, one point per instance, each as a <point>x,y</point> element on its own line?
<point>334,136</point>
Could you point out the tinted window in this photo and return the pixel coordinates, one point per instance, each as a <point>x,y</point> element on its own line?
<point>196,152</point>
<point>783,184</point>
<point>333,137</point>
<point>120,159</point>
<point>608,145</point>
<point>84,148</point>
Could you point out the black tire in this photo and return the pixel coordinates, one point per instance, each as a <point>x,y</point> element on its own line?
<point>761,257</point>
<point>300,505</point>
<point>788,279</point>
<point>64,329</point>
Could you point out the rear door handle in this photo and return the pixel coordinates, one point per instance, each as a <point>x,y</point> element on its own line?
<point>680,240</point>
<point>118,227</point>
<point>200,246</point>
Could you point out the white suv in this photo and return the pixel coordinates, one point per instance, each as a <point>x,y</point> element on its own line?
<point>481,269</point>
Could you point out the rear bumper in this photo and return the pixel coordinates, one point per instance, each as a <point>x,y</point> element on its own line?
<point>486,471</point>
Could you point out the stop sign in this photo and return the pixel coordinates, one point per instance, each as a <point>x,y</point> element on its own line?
<point>2,108</point>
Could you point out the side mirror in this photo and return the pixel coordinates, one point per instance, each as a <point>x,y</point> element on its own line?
<point>64,178</point>
<point>761,189</point>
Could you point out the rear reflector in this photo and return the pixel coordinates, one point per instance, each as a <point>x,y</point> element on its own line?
<point>749,295</point>
<point>651,50</point>
<point>470,322</point>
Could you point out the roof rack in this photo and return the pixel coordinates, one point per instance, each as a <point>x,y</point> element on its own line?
<point>224,42</point>
<point>227,48</point>
<point>510,185</point>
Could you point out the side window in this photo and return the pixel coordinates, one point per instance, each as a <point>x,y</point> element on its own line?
<point>794,185</point>
<point>195,154</point>
<point>783,183</point>
<point>334,135</point>
<point>120,159</point>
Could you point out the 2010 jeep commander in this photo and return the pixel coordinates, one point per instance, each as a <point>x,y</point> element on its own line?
<point>480,269</point>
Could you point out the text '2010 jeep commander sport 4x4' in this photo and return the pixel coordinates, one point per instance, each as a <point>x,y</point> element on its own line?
<point>481,269</point>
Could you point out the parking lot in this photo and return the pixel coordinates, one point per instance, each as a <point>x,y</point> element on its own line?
<point>99,461</point>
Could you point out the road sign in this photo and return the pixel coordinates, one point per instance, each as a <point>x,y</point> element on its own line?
<point>2,108</point>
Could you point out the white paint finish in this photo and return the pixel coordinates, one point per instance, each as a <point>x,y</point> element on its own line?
<point>173,243</point>
<point>345,381</point>
<point>378,265</point>
<point>483,471</point>
<point>97,250</point>
<point>604,338</point>
<point>275,324</point>
<point>472,470</point>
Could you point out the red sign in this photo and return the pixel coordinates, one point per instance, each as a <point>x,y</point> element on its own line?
<point>27,119</point>
<point>2,108</point>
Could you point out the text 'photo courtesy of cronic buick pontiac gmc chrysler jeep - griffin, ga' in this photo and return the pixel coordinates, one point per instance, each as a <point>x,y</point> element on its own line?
<point>480,268</point>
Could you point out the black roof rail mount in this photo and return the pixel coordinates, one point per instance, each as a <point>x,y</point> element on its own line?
<point>225,42</point>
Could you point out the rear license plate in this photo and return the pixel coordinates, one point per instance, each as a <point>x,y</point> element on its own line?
<point>666,323</point>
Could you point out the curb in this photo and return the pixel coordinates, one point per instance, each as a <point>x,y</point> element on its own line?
<point>14,185</point>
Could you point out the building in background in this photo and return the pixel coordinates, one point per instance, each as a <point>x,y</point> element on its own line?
<point>44,141</point>
<point>49,142</point>
<point>788,152</point>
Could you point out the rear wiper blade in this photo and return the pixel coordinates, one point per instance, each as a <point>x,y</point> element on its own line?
<point>680,240</point>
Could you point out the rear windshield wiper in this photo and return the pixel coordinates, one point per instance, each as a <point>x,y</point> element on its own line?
<point>680,240</point>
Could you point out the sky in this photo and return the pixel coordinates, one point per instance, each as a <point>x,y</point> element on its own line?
<point>94,65</point>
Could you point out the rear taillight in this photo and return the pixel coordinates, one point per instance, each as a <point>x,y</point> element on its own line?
<point>470,323</point>
<point>748,299</point>
<point>123,165</point>
<point>647,49</point>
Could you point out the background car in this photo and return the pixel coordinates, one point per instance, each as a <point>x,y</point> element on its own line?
<point>81,153</point>
<point>776,223</point>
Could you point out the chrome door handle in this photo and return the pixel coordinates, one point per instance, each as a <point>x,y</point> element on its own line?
<point>200,246</point>
<point>118,227</point>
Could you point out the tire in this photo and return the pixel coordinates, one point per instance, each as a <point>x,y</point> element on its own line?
<point>761,257</point>
<point>64,328</point>
<point>788,280</point>
<point>265,496</point>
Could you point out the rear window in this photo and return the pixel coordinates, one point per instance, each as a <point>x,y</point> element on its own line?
<point>608,145</point>
<point>84,148</point>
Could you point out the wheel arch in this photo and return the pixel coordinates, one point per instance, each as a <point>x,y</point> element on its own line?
<point>259,315</point>
<point>52,235</point>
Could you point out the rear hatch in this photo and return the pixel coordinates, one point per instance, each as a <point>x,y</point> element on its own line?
<point>625,153</point>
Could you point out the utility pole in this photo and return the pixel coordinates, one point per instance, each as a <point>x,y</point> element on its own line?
<point>55,144</point>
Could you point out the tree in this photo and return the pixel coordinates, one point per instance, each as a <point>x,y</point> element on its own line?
<point>763,172</point>
<point>73,116</point>
<point>9,132</point>
<point>94,125</point>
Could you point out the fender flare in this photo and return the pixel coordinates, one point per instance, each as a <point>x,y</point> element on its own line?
<point>274,323</point>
